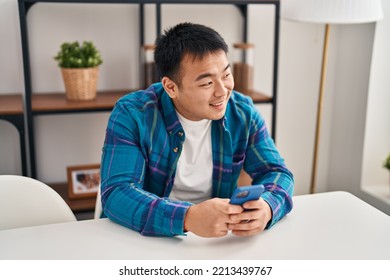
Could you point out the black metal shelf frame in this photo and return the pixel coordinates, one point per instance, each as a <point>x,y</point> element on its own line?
<point>242,5</point>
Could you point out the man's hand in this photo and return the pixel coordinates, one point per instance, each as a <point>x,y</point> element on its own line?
<point>211,217</point>
<point>252,221</point>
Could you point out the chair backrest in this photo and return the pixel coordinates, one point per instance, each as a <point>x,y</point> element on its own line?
<point>28,202</point>
<point>98,205</point>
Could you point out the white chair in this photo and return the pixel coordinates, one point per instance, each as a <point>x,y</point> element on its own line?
<point>28,202</point>
<point>98,205</point>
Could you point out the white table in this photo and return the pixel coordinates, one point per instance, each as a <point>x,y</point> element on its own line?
<point>335,225</point>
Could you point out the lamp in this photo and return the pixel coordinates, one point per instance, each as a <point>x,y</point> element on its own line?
<point>329,12</point>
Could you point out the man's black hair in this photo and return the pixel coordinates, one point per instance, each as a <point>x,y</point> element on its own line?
<point>185,39</point>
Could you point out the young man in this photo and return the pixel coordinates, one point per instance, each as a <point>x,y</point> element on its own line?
<point>173,152</point>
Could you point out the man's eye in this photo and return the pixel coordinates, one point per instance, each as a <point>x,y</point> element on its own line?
<point>226,76</point>
<point>206,84</point>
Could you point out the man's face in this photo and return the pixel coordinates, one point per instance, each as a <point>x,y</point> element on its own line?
<point>205,88</point>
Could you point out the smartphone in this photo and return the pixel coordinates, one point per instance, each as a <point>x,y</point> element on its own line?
<point>244,194</point>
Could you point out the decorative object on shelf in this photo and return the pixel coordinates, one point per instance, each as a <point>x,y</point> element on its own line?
<point>329,12</point>
<point>150,70</point>
<point>243,67</point>
<point>79,67</point>
<point>83,180</point>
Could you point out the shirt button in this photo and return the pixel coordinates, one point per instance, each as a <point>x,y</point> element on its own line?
<point>175,150</point>
<point>181,134</point>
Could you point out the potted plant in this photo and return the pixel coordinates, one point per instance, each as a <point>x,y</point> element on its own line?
<point>386,164</point>
<point>79,67</point>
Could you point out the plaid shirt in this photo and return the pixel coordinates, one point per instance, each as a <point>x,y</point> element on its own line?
<point>143,142</point>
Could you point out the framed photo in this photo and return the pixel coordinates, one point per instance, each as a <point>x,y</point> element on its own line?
<point>83,180</point>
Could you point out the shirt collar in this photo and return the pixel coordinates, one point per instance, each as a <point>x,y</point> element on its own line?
<point>171,120</point>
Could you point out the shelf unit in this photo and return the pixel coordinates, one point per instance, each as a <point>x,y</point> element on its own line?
<point>50,104</point>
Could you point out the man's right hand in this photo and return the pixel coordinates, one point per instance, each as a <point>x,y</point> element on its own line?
<point>211,217</point>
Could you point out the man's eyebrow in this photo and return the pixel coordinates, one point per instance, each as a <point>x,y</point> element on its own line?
<point>205,75</point>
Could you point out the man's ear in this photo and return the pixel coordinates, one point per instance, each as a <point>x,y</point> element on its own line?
<point>170,87</point>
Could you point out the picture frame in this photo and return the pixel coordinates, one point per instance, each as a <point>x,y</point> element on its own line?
<point>83,181</point>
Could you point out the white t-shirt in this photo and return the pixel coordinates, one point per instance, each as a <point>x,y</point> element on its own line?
<point>193,180</point>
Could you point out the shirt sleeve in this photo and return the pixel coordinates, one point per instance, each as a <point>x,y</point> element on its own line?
<point>124,199</point>
<point>265,165</point>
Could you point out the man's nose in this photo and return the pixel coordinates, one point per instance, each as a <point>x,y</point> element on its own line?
<point>220,89</point>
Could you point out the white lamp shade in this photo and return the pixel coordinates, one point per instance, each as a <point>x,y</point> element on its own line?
<point>332,11</point>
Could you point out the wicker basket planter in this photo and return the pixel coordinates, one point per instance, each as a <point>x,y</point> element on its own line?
<point>80,83</point>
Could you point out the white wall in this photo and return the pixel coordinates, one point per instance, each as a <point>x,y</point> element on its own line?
<point>349,106</point>
<point>375,179</point>
<point>74,139</point>
<point>377,131</point>
<point>300,64</point>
